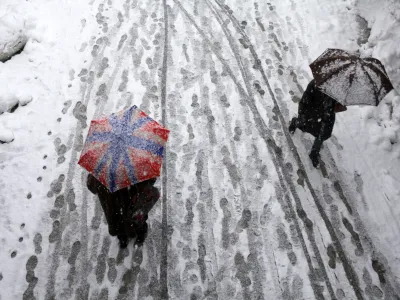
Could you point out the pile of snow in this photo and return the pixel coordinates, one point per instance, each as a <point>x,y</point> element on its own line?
<point>383,18</point>
<point>34,87</point>
<point>12,32</point>
<point>6,135</point>
<point>383,122</point>
<point>378,133</point>
<point>10,101</point>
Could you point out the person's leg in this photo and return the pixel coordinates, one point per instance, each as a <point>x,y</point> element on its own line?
<point>141,234</point>
<point>293,125</point>
<point>123,241</point>
<point>314,154</point>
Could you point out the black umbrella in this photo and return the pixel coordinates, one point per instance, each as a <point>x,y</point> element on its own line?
<point>350,79</point>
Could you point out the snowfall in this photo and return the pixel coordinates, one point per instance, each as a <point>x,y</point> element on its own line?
<point>243,214</point>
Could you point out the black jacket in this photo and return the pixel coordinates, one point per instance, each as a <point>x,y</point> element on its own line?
<point>125,210</point>
<point>316,113</point>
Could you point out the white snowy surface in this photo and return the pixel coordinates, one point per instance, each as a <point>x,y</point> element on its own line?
<point>366,139</point>
<point>371,137</point>
<point>36,80</point>
<point>12,30</point>
<point>43,82</point>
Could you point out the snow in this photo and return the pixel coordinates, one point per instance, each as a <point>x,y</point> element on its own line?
<point>219,168</point>
<point>36,81</point>
<point>6,136</point>
<point>12,31</point>
<point>384,41</point>
<point>369,136</point>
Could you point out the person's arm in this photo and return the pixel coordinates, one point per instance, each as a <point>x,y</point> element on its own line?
<point>307,97</point>
<point>326,117</point>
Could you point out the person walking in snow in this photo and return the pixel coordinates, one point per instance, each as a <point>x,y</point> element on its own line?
<point>316,115</point>
<point>126,210</point>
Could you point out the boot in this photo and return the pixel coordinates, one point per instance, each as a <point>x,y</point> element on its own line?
<point>141,235</point>
<point>314,156</point>
<point>123,241</point>
<point>293,125</point>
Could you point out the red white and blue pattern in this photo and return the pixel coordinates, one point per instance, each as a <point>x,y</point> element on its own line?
<point>124,148</point>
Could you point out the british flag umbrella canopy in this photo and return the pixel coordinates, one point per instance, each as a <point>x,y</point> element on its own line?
<point>124,148</point>
<point>351,79</point>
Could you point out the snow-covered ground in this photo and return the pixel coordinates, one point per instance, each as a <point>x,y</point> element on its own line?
<point>366,143</point>
<point>239,213</point>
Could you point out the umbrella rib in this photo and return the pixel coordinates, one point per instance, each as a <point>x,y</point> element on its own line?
<point>373,85</point>
<point>376,64</point>
<point>101,164</point>
<point>129,167</point>
<point>103,137</point>
<point>113,170</point>
<point>329,59</point>
<point>326,52</point>
<point>141,122</point>
<point>385,80</point>
<point>144,144</point>
<point>337,71</point>
<point>350,82</point>
<point>376,69</point>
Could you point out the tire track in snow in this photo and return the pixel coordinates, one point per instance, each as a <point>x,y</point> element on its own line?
<point>207,241</point>
<point>349,270</point>
<point>337,178</point>
<point>248,86</point>
<point>258,267</point>
<point>164,222</point>
<point>337,187</point>
<point>266,135</point>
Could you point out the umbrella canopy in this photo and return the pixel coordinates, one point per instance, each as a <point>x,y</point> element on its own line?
<point>124,148</point>
<point>349,79</point>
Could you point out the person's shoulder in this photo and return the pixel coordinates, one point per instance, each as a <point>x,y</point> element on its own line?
<point>311,86</point>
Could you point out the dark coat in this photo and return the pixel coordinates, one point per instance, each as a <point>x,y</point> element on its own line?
<point>316,113</point>
<point>126,210</point>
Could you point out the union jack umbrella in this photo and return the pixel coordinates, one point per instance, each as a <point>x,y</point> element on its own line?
<point>124,148</point>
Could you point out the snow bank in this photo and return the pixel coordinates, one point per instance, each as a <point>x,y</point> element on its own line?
<point>384,41</point>
<point>9,101</point>
<point>12,32</point>
<point>34,86</point>
<point>6,136</point>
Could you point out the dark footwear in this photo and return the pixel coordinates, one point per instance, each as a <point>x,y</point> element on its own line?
<point>314,156</point>
<point>123,241</point>
<point>141,235</point>
<point>292,125</point>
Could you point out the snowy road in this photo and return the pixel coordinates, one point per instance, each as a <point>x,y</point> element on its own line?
<point>243,214</point>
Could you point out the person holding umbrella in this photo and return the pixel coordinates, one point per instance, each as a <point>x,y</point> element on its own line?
<point>341,79</point>
<point>126,210</point>
<point>316,115</point>
<point>123,154</point>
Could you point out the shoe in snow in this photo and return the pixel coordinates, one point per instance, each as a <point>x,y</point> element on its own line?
<point>314,159</point>
<point>123,241</point>
<point>141,236</point>
<point>292,125</point>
